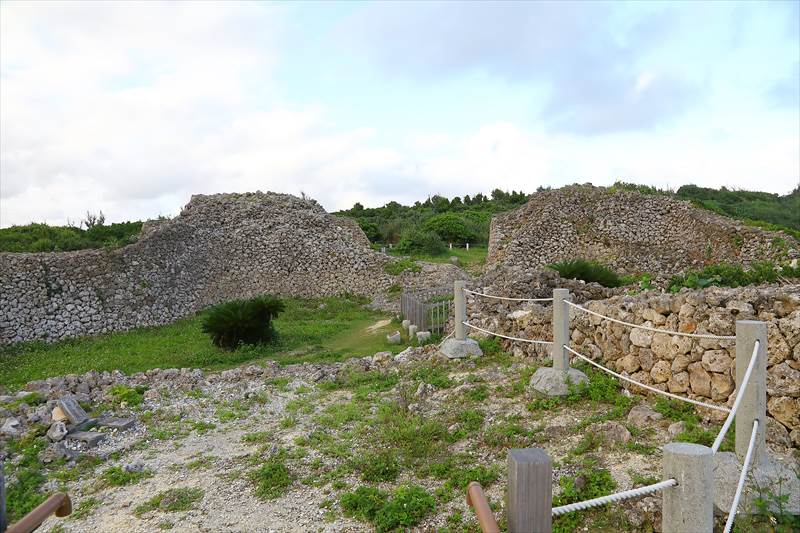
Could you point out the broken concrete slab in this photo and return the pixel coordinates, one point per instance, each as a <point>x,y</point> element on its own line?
<point>120,424</point>
<point>72,410</point>
<point>90,438</point>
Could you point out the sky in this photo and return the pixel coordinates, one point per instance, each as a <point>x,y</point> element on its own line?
<point>130,108</point>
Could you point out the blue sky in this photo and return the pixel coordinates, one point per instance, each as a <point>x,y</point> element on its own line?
<point>130,108</point>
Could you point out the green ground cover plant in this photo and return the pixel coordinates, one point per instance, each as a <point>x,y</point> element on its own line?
<point>171,500</point>
<point>328,329</point>
<point>406,507</point>
<point>588,271</point>
<point>272,479</point>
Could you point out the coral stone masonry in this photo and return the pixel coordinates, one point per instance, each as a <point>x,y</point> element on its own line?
<point>221,247</point>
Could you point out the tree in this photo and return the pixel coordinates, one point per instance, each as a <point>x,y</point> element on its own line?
<point>93,220</point>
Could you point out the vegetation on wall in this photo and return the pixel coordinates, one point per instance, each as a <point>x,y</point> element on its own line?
<point>44,238</point>
<point>588,271</point>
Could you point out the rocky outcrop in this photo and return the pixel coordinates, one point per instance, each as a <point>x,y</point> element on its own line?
<point>697,368</point>
<point>221,247</point>
<point>631,232</point>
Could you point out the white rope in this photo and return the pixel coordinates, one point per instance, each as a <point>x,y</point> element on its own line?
<point>617,496</point>
<point>745,469</point>
<point>505,336</point>
<point>656,330</point>
<point>507,298</point>
<point>742,386</point>
<point>448,336</point>
<point>642,385</point>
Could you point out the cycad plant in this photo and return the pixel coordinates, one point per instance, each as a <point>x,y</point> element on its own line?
<point>230,324</point>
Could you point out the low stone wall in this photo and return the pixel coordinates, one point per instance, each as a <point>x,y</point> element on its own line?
<point>221,247</point>
<point>698,368</point>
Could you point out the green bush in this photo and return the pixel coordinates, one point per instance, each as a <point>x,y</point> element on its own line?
<point>415,241</point>
<point>398,267</point>
<point>237,322</point>
<point>451,227</point>
<point>44,238</point>
<point>407,507</point>
<point>587,271</point>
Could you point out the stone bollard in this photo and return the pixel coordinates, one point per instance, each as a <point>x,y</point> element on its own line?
<point>754,397</point>
<point>555,381</point>
<point>412,332</point>
<point>459,345</point>
<point>688,506</point>
<point>406,323</point>
<point>467,246</point>
<point>451,245</point>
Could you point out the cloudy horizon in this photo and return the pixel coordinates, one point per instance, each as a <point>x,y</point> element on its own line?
<point>130,108</point>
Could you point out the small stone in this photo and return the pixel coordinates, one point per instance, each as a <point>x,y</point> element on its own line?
<point>423,336</point>
<point>661,372</point>
<point>676,428</point>
<point>136,466</point>
<point>643,415</point>
<point>57,431</point>
<point>56,451</point>
<point>382,358</point>
<point>777,433</point>
<point>11,427</point>
<point>614,432</point>
<point>394,338</point>
<point>58,415</point>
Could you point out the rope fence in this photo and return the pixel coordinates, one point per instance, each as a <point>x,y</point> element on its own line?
<point>688,467</point>
<point>476,293</point>
<point>738,400</point>
<point>648,387</point>
<point>617,496</point>
<point>518,339</point>
<point>648,328</point>
<point>742,477</point>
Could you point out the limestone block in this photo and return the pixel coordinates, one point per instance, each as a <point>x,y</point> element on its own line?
<point>700,380</point>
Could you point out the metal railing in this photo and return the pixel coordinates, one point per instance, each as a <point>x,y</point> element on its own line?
<point>477,500</point>
<point>429,310</point>
<point>58,504</point>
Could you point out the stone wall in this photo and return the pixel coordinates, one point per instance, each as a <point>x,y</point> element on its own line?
<point>698,368</point>
<point>221,247</point>
<point>631,232</point>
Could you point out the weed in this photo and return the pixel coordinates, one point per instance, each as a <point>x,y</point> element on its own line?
<point>288,422</point>
<point>272,479</point>
<point>406,508</point>
<point>84,508</point>
<point>116,476</point>
<point>131,396</point>
<point>402,265</point>
<point>378,466</point>
<point>171,500</point>
<point>258,436</point>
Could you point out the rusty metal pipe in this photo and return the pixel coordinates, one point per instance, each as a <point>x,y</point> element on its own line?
<point>58,504</point>
<point>477,499</point>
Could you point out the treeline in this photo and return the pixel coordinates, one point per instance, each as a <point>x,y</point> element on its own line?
<point>44,238</point>
<point>428,226</point>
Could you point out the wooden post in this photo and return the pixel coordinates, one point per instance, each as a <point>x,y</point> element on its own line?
<point>530,491</point>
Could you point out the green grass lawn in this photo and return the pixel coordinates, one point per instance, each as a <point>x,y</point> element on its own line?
<point>470,259</point>
<point>328,329</point>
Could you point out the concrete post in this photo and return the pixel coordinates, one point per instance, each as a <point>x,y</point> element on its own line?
<point>460,302</point>
<point>560,330</point>
<point>451,245</point>
<point>530,491</point>
<point>688,506</point>
<point>412,331</point>
<point>754,399</point>
<point>467,246</point>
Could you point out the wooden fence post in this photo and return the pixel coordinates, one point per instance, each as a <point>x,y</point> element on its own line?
<point>530,491</point>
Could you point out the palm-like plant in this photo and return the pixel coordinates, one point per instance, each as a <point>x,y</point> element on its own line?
<point>243,321</point>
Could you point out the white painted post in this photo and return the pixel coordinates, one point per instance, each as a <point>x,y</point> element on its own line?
<point>460,303</point>
<point>560,330</point>
<point>688,506</point>
<point>754,398</point>
<point>467,246</point>
<point>451,245</point>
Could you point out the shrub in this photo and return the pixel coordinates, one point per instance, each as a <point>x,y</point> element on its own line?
<point>243,321</point>
<point>416,241</point>
<point>409,505</point>
<point>587,271</point>
<point>364,503</point>
<point>398,267</point>
<point>450,227</point>
<point>272,479</point>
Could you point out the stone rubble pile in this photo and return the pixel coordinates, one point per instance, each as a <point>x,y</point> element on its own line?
<point>631,232</point>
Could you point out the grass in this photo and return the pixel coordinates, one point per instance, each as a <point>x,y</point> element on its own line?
<point>272,479</point>
<point>468,259</point>
<point>116,476</point>
<point>329,329</point>
<point>171,500</point>
<point>404,509</point>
